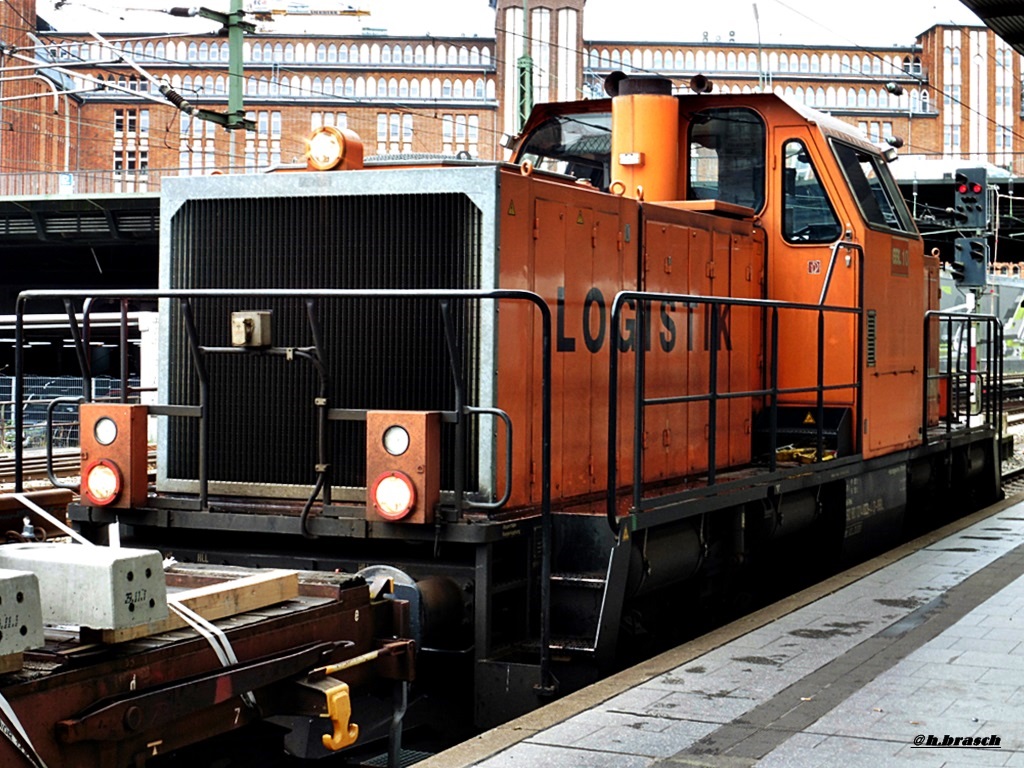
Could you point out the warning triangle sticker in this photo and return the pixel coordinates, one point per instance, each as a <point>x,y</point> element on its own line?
<point>808,419</point>
<point>511,208</point>
<point>579,218</point>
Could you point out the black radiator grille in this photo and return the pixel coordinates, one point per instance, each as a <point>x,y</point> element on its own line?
<point>381,353</point>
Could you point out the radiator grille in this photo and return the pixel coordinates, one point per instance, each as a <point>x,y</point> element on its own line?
<point>381,353</point>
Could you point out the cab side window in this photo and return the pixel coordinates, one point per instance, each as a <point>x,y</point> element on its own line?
<point>807,214</point>
<point>727,157</point>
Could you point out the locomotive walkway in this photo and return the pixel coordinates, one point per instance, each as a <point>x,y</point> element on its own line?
<point>914,658</point>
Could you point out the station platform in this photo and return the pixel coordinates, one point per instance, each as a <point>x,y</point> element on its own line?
<point>914,658</point>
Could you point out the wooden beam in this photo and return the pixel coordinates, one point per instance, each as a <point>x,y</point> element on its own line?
<point>217,601</point>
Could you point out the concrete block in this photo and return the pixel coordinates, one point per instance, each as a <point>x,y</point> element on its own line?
<point>97,587</point>
<point>21,616</point>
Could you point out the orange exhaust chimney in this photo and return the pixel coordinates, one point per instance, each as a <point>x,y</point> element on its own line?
<point>645,136</point>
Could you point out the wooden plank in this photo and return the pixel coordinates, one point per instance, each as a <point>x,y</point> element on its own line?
<point>217,601</point>
<point>11,663</point>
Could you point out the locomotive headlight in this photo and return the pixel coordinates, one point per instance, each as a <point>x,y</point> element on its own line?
<point>396,440</point>
<point>105,430</point>
<point>101,482</point>
<point>326,147</point>
<point>393,495</point>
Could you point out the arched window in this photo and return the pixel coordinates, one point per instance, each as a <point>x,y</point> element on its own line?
<point>278,53</point>
<point>289,53</point>
<point>332,54</point>
<point>656,60</point>
<point>193,52</point>
<point>730,61</point>
<point>784,63</point>
<point>815,63</point>
<point>360,88</point>
<point>830,97</point>
<point>479,88</point>
<point>845,64</point>
<point>385,55</point>
<point>371,87</point>
<point>414,89</point>
<point>872,99</point>
<point>485,56</point>
<point>220,85</point>
<point>689,64</point>
<point>375,54</point>
<point>393,88</point>
<point>339,86</point>
<point>264,87</point>
<point>186,84</point>
<point>318,87</point>
<point>679,62</point>
<point>446,89</point>
<point>350,87</point>
<point>435,88</point>
<point>204,52</point>
<point>441,56</point>
<point>700,64</point>
<point>321,53</point>
<point>403,88</point>
<point>805,63</point>
<point>407,54</point>
<point>457,89</point>
<point>720,61</point>
<point>418,55</point>
<point>862,98</point>
<point>464,56</point>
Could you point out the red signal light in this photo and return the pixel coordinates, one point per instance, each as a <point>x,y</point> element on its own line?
<point>962,189</point>
<point>976,188</point>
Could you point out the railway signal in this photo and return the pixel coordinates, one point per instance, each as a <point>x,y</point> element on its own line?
<point>971,198</point>
<point>970,261</point>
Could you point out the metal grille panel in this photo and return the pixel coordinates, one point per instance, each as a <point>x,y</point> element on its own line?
<point>380,353</point>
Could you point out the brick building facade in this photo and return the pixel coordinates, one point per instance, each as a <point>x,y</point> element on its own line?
<point>955,93</point>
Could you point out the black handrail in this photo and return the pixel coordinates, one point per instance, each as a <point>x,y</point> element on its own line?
<point>959,377</point>
<point>184,296</point>
<point>639,301</point>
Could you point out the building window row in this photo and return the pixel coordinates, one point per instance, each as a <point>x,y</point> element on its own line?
<point>915,100</point>
<point>298,53</point>
<point>345,87</point>
<point>747,61</point>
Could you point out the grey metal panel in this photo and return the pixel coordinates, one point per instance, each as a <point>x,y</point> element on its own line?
<point>478,184</point>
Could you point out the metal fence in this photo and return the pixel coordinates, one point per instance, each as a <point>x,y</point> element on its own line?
<point>40,391</point>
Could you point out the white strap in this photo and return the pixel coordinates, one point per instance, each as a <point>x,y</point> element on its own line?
<point>214,636</point>
<point>25,745</point>
<point>47,516</point>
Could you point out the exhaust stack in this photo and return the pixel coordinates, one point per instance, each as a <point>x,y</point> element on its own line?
<point>645,136</point>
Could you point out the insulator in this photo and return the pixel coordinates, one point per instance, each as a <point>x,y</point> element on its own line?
<point>177,99</point>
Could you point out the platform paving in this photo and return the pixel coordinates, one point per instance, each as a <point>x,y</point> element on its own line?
<point>924,643</point>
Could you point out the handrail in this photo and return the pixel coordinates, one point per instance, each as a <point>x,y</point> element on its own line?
<point>639,301</point>
<point>547,683</point>
<point>990,405</point>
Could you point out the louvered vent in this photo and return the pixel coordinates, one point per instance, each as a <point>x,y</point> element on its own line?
<point>872,319</point>
<point>381,353</point>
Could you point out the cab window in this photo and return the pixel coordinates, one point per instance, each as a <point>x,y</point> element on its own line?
<point>579,145</point>
<point>874,189</point>
<point>727,156</point>
<point>807,214</point>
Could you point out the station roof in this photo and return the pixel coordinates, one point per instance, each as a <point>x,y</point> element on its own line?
<point>1004,17</point>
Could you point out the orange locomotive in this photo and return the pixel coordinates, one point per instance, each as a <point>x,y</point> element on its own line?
<point>566,403</point>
